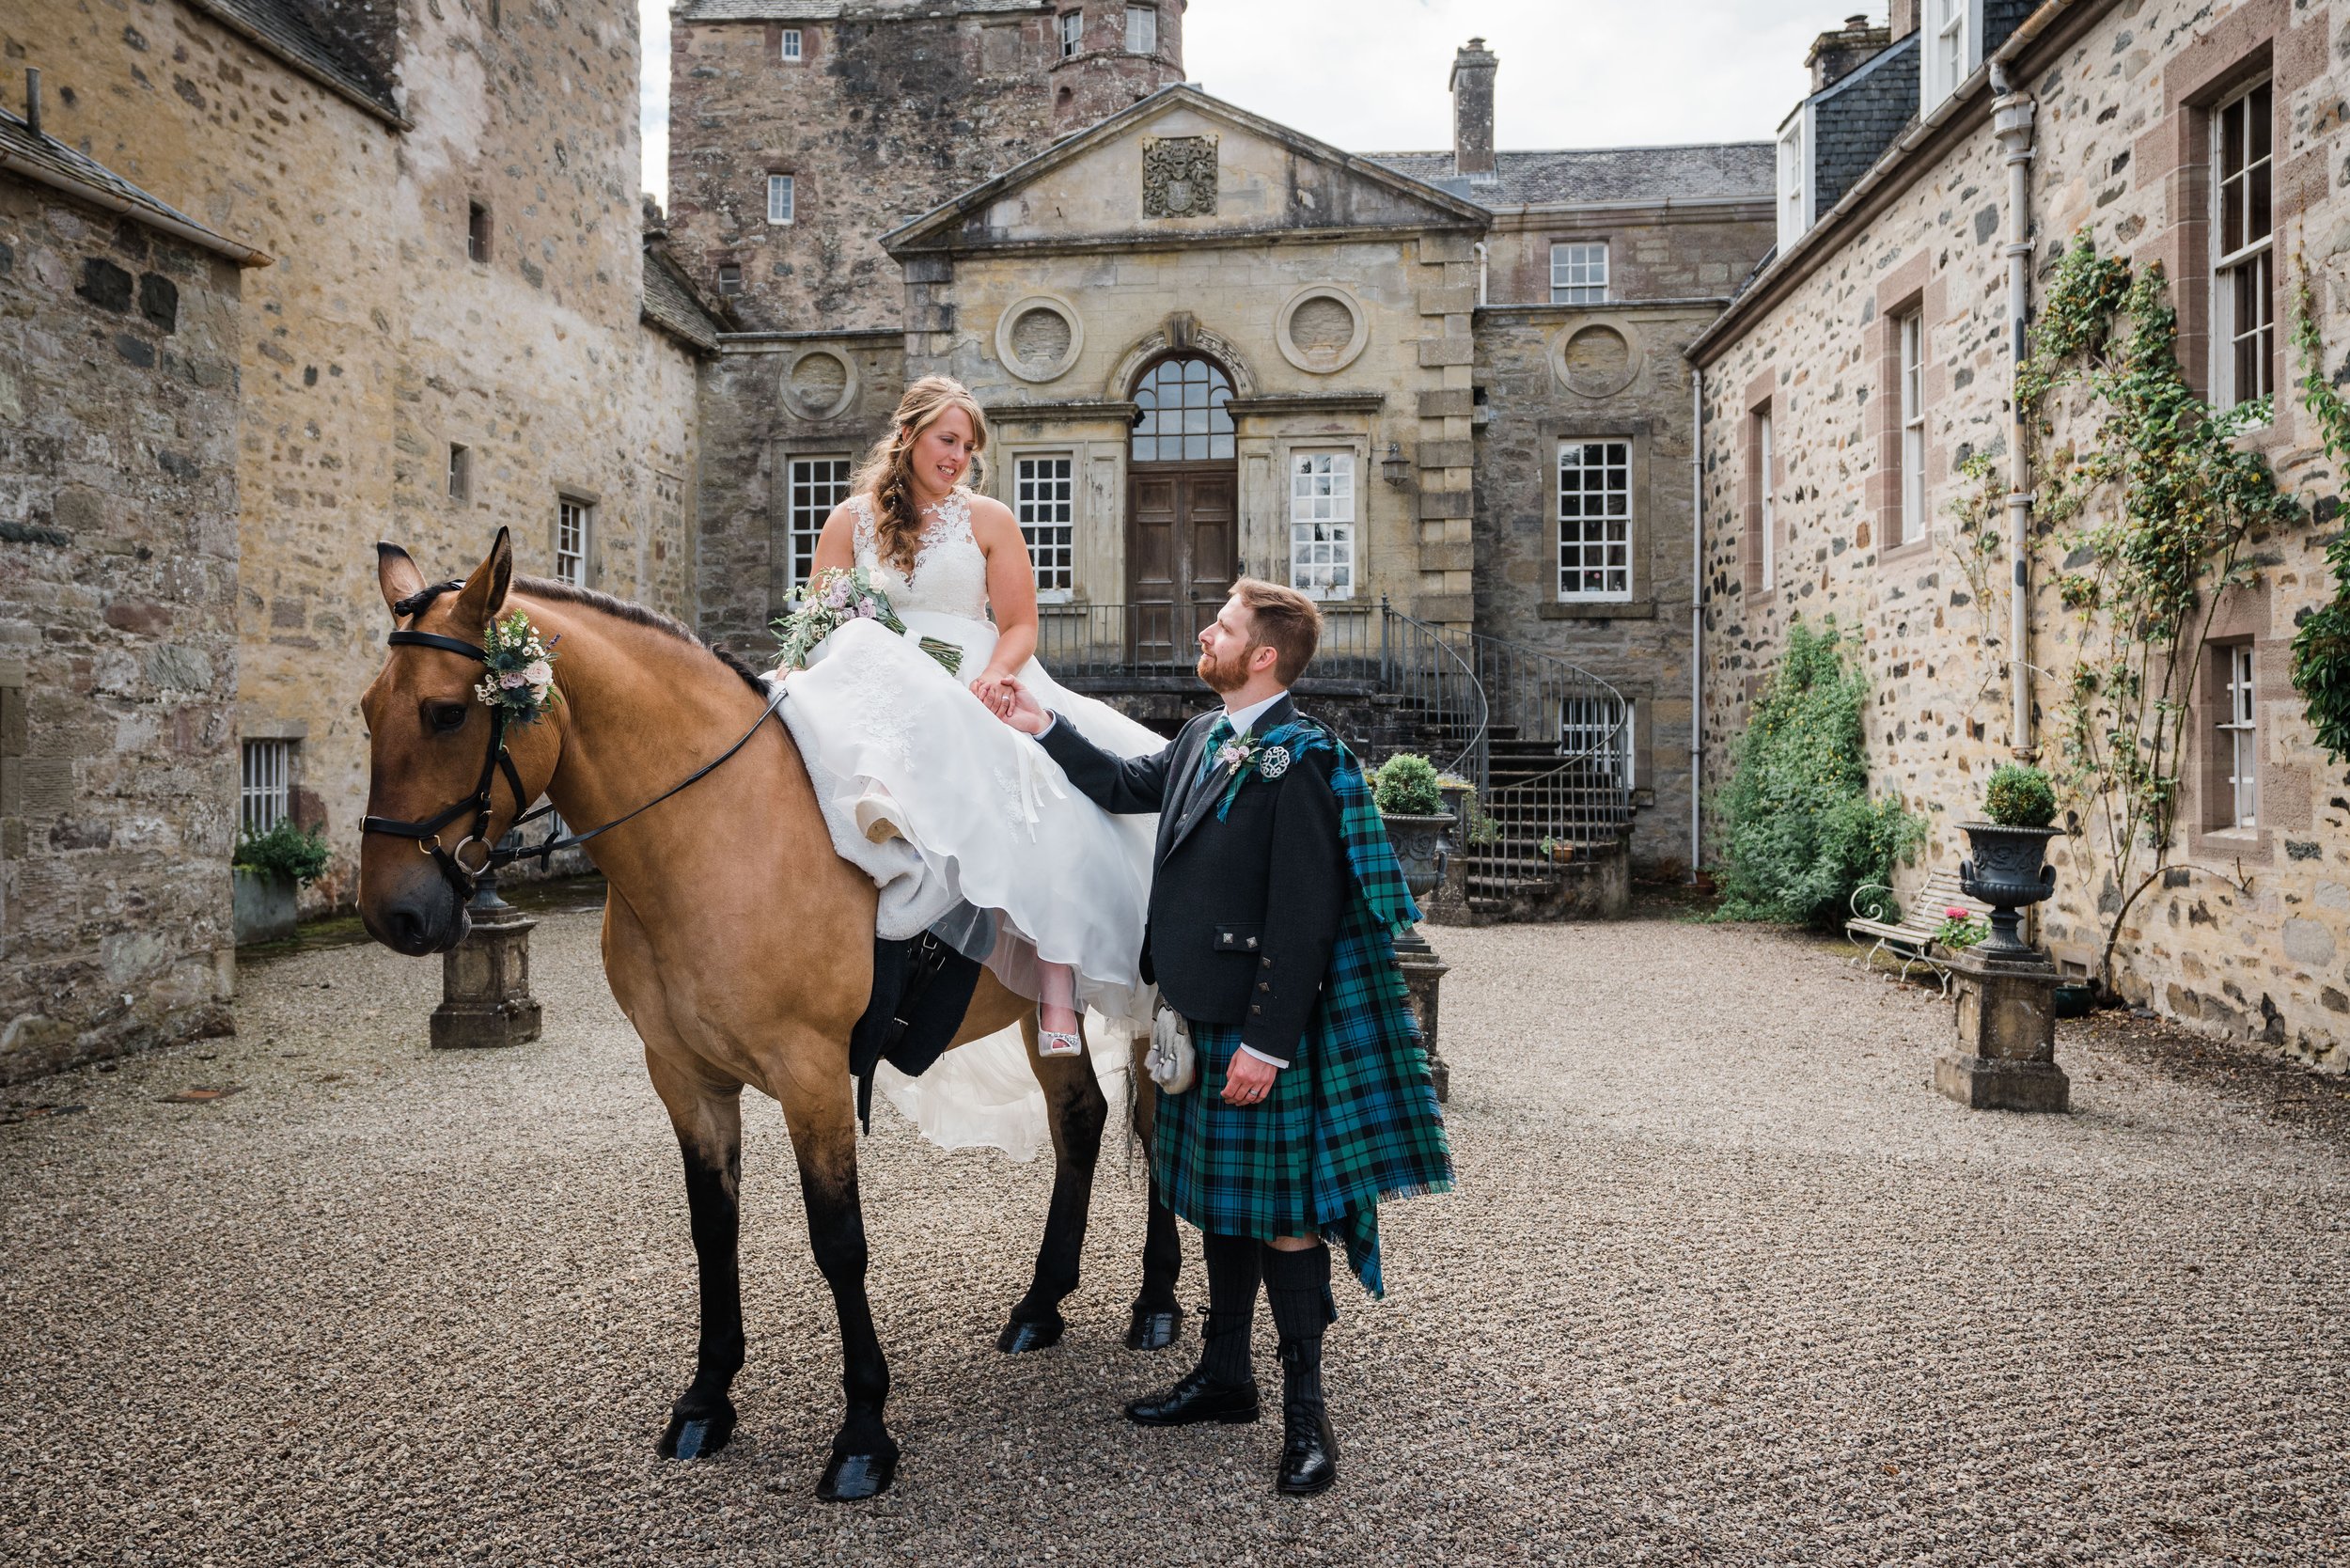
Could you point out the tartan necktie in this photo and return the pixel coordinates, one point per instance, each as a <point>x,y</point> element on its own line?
<point>1218,733</point>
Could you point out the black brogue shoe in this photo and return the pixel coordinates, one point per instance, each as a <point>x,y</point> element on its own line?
<point>1310,1451</point>
<point>1197,1399</point>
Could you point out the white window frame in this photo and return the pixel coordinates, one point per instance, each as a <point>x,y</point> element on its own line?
<point>1146,40</point>
<point>1044,499</point>
<point>1768,578</point>
<point>730,287</point>
<point>1795,179</point>
<point>2255,256</point>
<point>265,790</point>
<point>459,472</point>
<point>1071,25</point>
<point>785,210</point>
<point>1606,551</point>
<point>1325,494</point>
<point>1950,44</point>
<point>815,485</point>
<point>1912,514</point>
<point>575,541</point>
<point>1578,272</point>
<point>2239,731</point>
<point>1581,721</point>
<point>791,49</point>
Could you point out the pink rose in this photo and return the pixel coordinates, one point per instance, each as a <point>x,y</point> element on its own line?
<point>510,679</point>
<point>538,673</point>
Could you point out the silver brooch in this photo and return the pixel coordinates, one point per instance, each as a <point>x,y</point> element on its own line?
<point>1274,763</point>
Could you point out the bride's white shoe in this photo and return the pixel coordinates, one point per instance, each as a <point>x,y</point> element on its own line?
<point>876,817</point>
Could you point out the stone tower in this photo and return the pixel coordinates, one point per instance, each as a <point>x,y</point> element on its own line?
<point>801,131</point>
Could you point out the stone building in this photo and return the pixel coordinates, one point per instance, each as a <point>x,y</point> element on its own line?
<point>1873,355</point>
<point>121,331</point>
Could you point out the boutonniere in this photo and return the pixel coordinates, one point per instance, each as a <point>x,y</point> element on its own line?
<point>1246,754</point>
<point>522,669</point>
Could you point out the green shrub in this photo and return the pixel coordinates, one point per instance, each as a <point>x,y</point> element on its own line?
<point>2019,796</point>
<point>1803,834</point>
<point>1407,787</point>
<point>284,851</point>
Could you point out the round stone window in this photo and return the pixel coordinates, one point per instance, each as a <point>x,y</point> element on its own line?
<point>1597,360</point>
<point>1322,329</point>
<point>1039,339</point>
<point>820,385</point>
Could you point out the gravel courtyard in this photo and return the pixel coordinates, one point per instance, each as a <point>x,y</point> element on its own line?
<point>1724,1282</point>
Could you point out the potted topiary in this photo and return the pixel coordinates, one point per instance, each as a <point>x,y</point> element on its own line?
<point>269,866</point>
<point>1411,803</point>
<point>2008,869</point>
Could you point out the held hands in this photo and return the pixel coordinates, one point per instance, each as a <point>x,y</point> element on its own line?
<point>1009,700</point>
<point>1247,1080</point>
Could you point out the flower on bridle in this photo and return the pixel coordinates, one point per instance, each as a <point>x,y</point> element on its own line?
<point>520,678</point>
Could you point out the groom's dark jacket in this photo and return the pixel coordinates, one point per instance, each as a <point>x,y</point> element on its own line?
<point>1245,911</point>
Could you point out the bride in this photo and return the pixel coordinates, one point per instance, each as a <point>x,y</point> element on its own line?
<point>945,807</point>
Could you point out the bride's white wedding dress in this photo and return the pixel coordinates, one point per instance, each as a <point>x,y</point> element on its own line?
<point>943,804</point>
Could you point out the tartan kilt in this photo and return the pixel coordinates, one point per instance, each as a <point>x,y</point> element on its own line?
<point>1238,1171</point>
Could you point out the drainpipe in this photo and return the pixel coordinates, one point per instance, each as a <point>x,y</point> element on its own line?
<point>2011,114</point>
<point>1697,607</point>
<point>1483,255</point>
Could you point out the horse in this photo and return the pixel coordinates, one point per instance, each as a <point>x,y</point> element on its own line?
<point>736,941</point>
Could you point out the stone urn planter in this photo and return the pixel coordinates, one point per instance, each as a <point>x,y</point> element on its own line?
<point>1420,846</point>
<point>263,906</point>
<point>2008,871</point>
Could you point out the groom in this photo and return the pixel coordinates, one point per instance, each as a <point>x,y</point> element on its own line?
<point>1273,903</point>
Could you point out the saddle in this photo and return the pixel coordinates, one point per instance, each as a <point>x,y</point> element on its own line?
<point>922,989</point>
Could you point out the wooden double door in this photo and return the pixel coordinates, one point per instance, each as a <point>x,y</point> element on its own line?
<point>1182,552</point>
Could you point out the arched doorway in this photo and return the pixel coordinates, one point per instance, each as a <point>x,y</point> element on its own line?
<point>1183,514</point>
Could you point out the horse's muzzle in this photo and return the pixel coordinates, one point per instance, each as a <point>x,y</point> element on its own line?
<point>420,926</point>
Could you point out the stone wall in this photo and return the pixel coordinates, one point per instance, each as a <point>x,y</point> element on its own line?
<point>1702,253</point>
<point>2120,114</point>
<point>118,365</point>
<point>1548,374</point>
<point>378,343</point>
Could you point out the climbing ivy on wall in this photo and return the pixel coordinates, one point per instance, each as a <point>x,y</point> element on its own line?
<point>2321,648</point>
<point>2155,508</point>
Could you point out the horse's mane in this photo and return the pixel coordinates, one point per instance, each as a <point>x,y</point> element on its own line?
<point>619,609</point>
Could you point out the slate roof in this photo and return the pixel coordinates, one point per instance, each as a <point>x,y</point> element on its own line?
<point>284,28</point>
<point>32,155</point>
<point>829,10</point>
<point>1857,119</point>
<point>671,304</point>
<point>1603,174</point>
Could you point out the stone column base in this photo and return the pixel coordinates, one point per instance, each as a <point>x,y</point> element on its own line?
<point>2006,1049</point>
<point>485,987</point>
<point>1988,1083</point>
<point>1424,972</point>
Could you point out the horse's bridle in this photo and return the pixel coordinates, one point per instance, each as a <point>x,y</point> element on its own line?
<point>461,878</point>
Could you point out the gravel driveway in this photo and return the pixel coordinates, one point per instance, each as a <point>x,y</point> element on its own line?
<point>1725,1281</point>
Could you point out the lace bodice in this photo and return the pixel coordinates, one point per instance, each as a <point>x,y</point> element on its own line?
<point>950,568</point>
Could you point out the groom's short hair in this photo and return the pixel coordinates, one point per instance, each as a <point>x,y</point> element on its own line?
<point>1286,621</point>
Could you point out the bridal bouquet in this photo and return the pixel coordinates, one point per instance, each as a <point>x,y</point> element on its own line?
<point>833,598</point>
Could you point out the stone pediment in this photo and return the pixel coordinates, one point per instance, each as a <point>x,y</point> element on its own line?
<point>1181,168</point>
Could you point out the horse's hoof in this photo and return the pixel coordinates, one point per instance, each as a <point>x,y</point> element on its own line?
<point>698,1434</point>
<point>1153,1327</point>
<point>1019,1337</point>
<point>856,1476</point>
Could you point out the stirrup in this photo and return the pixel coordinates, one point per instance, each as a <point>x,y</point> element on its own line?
<point>1058,1042</point>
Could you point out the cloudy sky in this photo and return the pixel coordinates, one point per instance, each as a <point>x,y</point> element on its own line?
<point>1369,74</point>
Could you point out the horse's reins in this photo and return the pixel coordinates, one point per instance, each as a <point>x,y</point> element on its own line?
<point>427,834</point>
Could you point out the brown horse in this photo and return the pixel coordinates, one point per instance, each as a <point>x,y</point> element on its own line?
<point>734,939</point>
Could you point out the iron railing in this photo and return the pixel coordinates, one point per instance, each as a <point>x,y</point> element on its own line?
<point>1097,641</point>
<point>1560,769</point>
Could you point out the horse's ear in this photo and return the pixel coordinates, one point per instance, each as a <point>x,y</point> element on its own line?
<point>484,593</point>
<point>395,574</point>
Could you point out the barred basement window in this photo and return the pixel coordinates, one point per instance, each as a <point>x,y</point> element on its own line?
<point>263,799</point>
<point>1073,30</point>
<point>1595,520</point>
<point>459,473</point>
<point>2243,266</point>
<point>818,486</point>
<point>1578,273</point>
<point>792,45</point>
<point>575,527</point>
<point>781,199</point>
<point>1912,519</point>
<point>1322,524</point>
<point>1142,30</point>
<point>1044,496</point>
<point>477,231</point>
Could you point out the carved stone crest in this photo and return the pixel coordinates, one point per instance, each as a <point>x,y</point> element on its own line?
<point>1178,176</point>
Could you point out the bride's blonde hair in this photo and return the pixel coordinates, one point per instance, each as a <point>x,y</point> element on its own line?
<point>888,473</point>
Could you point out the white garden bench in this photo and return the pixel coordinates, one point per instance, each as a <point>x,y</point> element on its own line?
<point>1911,937</point>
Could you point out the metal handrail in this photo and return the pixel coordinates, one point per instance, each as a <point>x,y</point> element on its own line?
<point>1421,665</point>
<point>1582,799</point>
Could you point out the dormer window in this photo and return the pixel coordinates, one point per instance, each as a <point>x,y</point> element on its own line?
<point>1795,179</point>
<point>1952,48</point>
<point>1142,30</point>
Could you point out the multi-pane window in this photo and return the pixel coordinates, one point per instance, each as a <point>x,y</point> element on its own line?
<point>1794,182</point>
<point>1912,520</point>
<point>2239,739</point>
<point>2243,269</point>
<point>729,278</point>
<point>791,43</point>
<point>1184,417</point>
<point>781,199</point>
<point>267,785</point>
<point>1599,728</point>
<point>1766,549</point>
<point>1073,31</point>
<point>1142,30</point>
<point>477,231</point>
<point>1322,524</point>
<point>573,523</point>
<point>1595,520</point>
<point>459,472</point>
<point>1044,498</point>
<point>1948,48</point>
<point>1578,273</point>
<point>818,486</point>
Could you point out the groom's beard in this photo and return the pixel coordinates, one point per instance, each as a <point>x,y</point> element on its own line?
<point>1226,676</point>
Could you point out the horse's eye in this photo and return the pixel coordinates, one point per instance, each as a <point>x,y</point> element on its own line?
<point>445,716</point>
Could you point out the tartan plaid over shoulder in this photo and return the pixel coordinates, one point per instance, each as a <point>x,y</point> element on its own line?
<point>1355,1121</point>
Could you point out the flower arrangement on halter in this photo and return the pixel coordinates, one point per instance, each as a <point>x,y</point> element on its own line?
<point>521,682</point>
<point>832,598</point>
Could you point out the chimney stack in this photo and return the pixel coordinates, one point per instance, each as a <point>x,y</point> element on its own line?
<point>1473,111</point>
<point>1904,20</point>
<point>1837,54</point>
